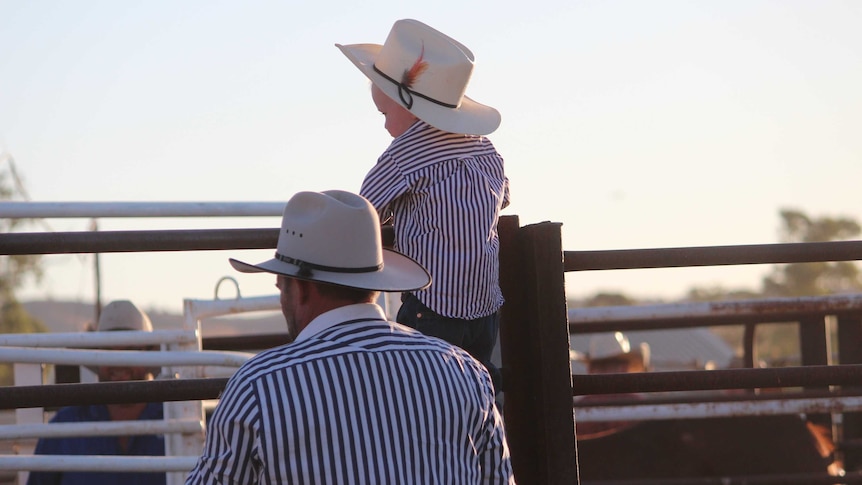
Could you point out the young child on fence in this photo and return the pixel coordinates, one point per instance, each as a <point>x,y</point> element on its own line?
<point>440,182</point>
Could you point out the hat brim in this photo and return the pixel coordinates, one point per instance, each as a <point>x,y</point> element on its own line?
<point>470,118</point>
<point>399,273</point>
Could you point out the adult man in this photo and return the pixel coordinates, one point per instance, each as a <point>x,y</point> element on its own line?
<point>117,315</point>
<point>354,398</point>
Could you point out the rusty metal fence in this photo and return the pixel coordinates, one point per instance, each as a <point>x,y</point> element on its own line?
<point>534,335</point>
<point>535,343</point>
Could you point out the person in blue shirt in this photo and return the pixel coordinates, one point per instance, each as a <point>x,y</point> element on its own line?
<point>117,315</point>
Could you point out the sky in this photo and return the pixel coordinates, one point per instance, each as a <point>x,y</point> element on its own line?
<point>634,124</point>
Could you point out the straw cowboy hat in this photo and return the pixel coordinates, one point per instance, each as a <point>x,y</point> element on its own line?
<point>427,72</point>
<point>616,346</point>
<point>123,315</point>
<point>334,237</point>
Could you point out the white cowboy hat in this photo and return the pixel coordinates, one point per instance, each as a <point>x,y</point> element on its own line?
<point>616,346</point>
<point>427,72</point>
<point>123,315</point>
<point>334,237</point>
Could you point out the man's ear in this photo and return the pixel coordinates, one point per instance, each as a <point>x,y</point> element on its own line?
<point>303,289</point>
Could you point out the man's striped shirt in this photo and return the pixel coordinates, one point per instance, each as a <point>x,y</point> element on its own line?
<point>444,192</point>
<point>356,399</point>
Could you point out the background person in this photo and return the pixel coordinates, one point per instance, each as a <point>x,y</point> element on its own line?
<point>441,181</point>
<point>611,353</point>
<point>353,398</point>
<point>117,315</point>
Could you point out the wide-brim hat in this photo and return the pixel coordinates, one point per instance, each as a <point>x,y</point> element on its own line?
<point>427,72</point>
<point>120,315</point>
<point>616,346</point>
<point>334,237</point>
<point>123,315</point>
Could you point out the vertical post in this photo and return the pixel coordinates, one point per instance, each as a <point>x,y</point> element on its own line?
<point>535,353</point>
<point>27,375</point>
<point>850,352</point>
<point>186,444</point>
<point>813,347</point>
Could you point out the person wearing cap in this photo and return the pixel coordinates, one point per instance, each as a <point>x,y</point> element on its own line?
<point>440,183</point>
<point>353,398</point>
<point>611,353</point>
<point>116,316</point>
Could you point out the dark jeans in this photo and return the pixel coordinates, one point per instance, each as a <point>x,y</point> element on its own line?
<point>477,337</point>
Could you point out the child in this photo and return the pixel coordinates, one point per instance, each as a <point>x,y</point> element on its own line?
<point>440,183</point>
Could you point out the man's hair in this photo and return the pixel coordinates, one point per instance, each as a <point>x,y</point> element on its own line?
<point>338,292</point>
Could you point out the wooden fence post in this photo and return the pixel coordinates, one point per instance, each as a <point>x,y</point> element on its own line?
<point>534,345</point>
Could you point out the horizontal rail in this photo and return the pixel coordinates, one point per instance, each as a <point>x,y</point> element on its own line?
<point>142,241</point>
<point>712,256</point>
<point>246,342</point>
<point>711,380</point>
<point>643,412</point>
<point>198,309</point>
<point>814,478</point>
<point>582,384</point>
<point>102,463</point>
<point>136,241</point>
<point>58,395</point>
<point>102,428</point>
<point>122,358</point>
<point>97,339</point>
<point>681,315</point>
<point>89,210</point>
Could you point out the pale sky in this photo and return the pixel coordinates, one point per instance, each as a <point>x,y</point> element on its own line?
<point>635,124</point>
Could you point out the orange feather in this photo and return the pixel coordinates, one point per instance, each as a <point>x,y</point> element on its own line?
<point>410,76</point>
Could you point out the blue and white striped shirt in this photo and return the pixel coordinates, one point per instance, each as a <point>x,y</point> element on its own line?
<point>444,192</point>
<point>356,399</point>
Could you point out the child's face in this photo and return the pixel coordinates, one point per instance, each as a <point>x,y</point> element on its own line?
<point>398,119</point>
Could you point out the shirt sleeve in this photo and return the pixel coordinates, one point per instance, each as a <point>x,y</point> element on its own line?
<point>384,183</point>
<point>230,453</point>
<point>495,459</point>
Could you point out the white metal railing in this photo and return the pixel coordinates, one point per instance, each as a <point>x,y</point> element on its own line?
<point>68,463</point>
<point>647,412</point>
<point>123,358</point>
<point>181,357</point>
<point>90,210</point>
<point>106,428</point>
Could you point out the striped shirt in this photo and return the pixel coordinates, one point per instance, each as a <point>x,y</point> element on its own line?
<point>444,193</point>
<point>356,399</point>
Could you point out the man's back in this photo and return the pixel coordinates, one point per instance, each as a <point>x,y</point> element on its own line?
<point>362,402</point>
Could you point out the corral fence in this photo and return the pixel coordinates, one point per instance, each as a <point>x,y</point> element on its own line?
<point>535,331</point>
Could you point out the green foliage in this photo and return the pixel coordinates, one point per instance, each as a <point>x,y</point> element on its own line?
<point>14,270</point>
<point>812,279</point>
<point>15,319</point>
<point>608,299</point>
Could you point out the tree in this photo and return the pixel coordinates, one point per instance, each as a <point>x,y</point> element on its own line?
<point>812,279</point>
<point>14,271</point>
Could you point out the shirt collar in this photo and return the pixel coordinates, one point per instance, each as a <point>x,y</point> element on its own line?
<point>366,311</point>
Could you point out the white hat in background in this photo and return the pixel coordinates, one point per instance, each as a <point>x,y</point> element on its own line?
<point>616,346</point>
<point>123,315</point>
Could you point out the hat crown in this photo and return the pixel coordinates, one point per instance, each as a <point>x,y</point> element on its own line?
<point>123,315</point>
<point>442,64</point>
<point>608,345</point>
<point>334,228</point>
